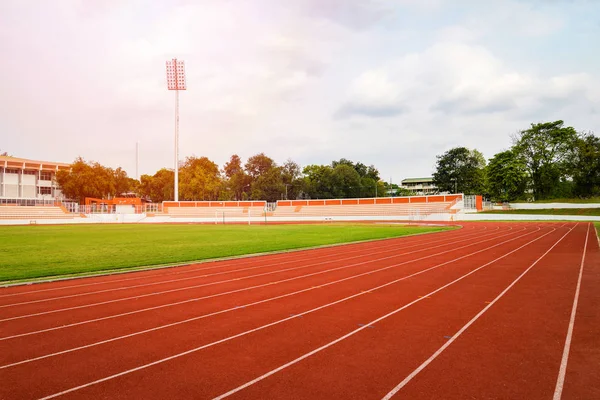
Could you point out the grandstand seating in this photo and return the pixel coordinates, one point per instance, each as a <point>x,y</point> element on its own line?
<point>33,212</point>
<point>214,209</point>
<point>400,206</point>
<point>369,207</point>
<point>363,210</point>
<point>214,212</point>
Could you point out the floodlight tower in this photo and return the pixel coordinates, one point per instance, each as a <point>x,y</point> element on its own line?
<point>176,82</point>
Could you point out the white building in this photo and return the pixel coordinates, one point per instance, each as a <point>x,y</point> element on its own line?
<point>25,181</point>
<point>421,186</point>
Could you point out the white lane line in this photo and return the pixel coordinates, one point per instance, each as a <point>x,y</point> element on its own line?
<point>282,367</point>
<point>565,357</point>
<point>176,269</point>
<point>391,248</point>
<point>467,325</point>
<point>265,301</point>
<point>241,278</point>
<point>175,356</point>
<point>231,292</point>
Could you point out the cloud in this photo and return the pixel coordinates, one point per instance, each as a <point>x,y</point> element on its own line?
<point>390,83</point>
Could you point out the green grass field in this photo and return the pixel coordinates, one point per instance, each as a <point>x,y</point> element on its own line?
<point>28,252</point>
<point>549,211</point>
<point>568,200</point>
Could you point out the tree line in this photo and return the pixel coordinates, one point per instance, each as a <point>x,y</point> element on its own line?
<point>547,161</point>
<point>259,178</point>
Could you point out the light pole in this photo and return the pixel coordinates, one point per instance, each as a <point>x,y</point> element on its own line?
<point>176,82</point>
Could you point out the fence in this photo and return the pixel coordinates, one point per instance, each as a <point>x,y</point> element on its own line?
<point>114,209</point>
<point>29,202</point>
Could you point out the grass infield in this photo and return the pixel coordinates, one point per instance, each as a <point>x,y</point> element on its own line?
<point>49,251</point>
<point>567,200</point>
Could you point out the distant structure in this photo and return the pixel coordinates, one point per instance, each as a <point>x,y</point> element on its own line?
<point>23,180</point>
<point>421,186</point>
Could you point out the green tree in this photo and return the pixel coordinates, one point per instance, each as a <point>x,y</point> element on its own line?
<point>291,176</point>
<point>237,185</point>
<point>258,164</point>
<point>545,147</point>
<point>199,179</point>
<point>506,176</point>
<point>460,170</point>
<point>345,182</point>
<point>266,178</point>
<point>268,185</point>
<point>584,166</point>
<point>89,179</point>
<point>158,187</point>
<point>318,181</point>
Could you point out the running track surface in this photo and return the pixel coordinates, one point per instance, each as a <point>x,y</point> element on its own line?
<point>493,310</point>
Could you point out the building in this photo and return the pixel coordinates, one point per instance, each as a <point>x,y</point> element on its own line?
<point>25,181</point>
<point>421,186</point>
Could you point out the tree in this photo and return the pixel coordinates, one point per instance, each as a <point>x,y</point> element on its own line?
<point>318,181</point>
<point>291,178</point>
<point>268,185</point>
<point>345,181</point>
<point>122,183</point>
<point>237,183</point>
<point>584,166</point>
<point>91,179</point>
<point>199,179</point>
<point>258,164</point>
<point>506,176</point>
<point>158,188</point>
<point>545,147</point>
<point>460,170</point>
<point>266,178</point>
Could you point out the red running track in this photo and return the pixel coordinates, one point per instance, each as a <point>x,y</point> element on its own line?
<point>493,310</point>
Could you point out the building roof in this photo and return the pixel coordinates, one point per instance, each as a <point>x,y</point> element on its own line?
<point>417,180</point>
<point>15,162</point>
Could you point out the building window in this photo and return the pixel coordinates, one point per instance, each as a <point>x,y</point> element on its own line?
<point>44,190</point>
<point>29,172</point>
<point>45,176</point>
<point>11,171</point>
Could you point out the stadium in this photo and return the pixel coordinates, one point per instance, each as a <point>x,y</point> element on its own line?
<point>230,284</point>
<point>218,272</point>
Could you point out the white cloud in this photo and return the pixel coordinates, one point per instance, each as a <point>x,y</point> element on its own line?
<point>391,83</point>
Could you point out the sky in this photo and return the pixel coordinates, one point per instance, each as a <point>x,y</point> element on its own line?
<point>391,83</point>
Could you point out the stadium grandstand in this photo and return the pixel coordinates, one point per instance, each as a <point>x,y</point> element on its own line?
<point>29,194</point>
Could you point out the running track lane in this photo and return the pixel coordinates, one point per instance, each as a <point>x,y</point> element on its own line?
<point>371,306</point>
<point>82,285</point>
<point>15,349</point>
<point>26,346</point>
<point>357,303</point>
<point>513,351</point>
<point>107,307</point>
<point>294,262</point>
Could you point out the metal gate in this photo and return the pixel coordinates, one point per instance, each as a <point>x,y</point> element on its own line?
<point>470,202</point>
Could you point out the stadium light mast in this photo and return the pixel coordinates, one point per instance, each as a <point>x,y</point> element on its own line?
<point>176,82</point>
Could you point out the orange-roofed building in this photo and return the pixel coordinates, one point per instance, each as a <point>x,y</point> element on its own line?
<point>23,179</point>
